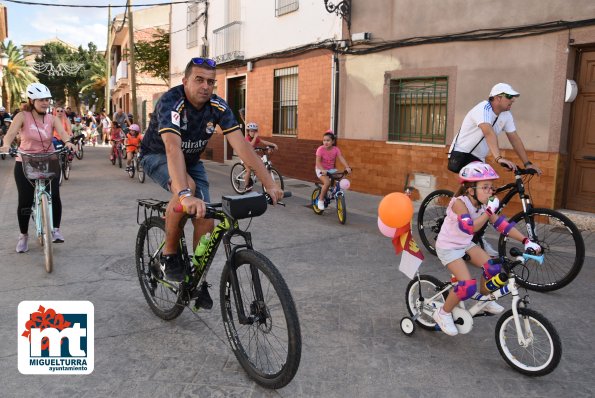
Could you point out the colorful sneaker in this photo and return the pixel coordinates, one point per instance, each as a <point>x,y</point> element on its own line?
<point>57,236</point>
<point>444,320</point>
<point>320,205</point>
<point>22,243</point>
<point>493,308</point>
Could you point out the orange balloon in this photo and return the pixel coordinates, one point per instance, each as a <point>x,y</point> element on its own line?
<point>395,210</point>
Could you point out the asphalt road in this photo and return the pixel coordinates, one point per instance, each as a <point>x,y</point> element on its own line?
<point>344,279</point>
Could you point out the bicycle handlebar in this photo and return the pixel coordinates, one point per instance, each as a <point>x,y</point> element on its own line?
<point>211,208</point>
<point>521,258</point>
<point>519,171</point>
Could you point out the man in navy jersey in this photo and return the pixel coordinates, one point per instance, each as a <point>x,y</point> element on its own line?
<point>183,122</point>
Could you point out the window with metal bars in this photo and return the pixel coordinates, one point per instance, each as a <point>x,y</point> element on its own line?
<point>285,101</point>
<point>192,26</point>
<point>417,110</point>
<point>286,6</point>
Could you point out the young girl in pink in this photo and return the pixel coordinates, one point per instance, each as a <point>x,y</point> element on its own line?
<point>326,156</point>
<point>471,207</point>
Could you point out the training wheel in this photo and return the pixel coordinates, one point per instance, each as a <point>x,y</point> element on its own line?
<point>407,326</point>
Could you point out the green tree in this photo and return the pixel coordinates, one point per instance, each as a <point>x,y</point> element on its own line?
<point>17,75</point>
<point>152,56</point>
<point>93,87</point>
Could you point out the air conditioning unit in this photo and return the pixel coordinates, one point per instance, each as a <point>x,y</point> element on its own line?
<point>363,36</point>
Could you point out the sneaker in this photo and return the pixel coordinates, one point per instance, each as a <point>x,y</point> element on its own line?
<point>493,308</point>
<point>57,236</point>
<point>444,320</point>
<point>320,205</point>
<point>203,300</point>
<point>171,267</point>
<point>22,243</point>
<point>489,249</point>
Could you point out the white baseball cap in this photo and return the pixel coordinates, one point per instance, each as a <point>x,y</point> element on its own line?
<point>503,88</point>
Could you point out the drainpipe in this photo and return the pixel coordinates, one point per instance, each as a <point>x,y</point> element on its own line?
<point>335,116</point>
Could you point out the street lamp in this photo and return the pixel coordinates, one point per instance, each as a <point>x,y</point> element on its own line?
<point>342,9</point>
<point>3,64</point>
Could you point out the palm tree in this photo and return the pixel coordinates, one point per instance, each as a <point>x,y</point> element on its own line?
<point>95,81</point>
<point>17,75</point>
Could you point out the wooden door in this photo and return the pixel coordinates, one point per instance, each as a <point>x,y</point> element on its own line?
<point>581,182</point>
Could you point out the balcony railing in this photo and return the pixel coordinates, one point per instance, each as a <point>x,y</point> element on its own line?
<point>228,43</point>
<point>122,70</point>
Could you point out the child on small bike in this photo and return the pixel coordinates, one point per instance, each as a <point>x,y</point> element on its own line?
<point>326,156</point>
<point>116,135</point>
<point>471,207</point>
<point>254,140</point>
<point>132,142</point>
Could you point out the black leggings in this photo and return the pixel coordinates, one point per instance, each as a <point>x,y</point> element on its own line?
<point>27,197</point>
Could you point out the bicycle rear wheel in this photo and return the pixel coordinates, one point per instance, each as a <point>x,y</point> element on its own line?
<point>314,200</point>
<point>429,286</point>
<point>238,171</point>
<point>341,209</point>
<point>431,216</point>
<point>268,344</point>
<point>164,299</point>
<point>541,356</point>
<point>46,232</point>
<point>563,249</point>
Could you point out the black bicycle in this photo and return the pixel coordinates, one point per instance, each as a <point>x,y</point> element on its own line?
<point>560,239</point>
<point>259,314</point>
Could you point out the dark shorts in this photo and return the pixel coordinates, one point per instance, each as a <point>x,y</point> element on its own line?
<point>155,166</point>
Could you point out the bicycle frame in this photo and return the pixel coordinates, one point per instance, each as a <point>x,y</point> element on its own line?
<point>200,264</point>
<point>482,301</point>
<point>40,191</point>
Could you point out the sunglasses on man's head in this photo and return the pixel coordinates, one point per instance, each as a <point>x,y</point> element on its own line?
<point>201,61</point>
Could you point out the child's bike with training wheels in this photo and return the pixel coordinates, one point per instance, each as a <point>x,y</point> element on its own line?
<point>335,192</point>
<point>239,171</point>
<point>527,341</point>
<point>259,314</point>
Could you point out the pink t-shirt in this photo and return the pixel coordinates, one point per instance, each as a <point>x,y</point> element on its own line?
<point>451,236</point>
<point>328,157</point>
<point>36,137</point>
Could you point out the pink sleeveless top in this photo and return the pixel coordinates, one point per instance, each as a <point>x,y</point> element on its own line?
<point>451,236</point>
<point>36,137</point>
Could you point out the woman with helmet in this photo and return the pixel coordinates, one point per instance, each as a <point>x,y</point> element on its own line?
<point>254,140</point>
<point>35,128</point>
<point>471,207</point>
<point>132,142</point>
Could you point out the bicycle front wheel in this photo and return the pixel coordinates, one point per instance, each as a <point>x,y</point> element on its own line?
<point>430,217</point>
<point>276,176</point>
<point>164,299</point>
<point>416,300</point>
<point>268,342</point>
<point>66,169</point>
<point>238,172</point>
<point>46,233</point>
<point>543,350</point>
<point>131,170</point>
<point>341,209</point>
<point>140,173</point>
<point>80,151</point>
<point>119,155</point>
<point>563,249</point>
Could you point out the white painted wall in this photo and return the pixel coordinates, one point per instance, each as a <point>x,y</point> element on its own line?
<point>262,31</point>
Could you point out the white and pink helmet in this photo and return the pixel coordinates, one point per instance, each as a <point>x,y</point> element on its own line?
<point>477,171</point>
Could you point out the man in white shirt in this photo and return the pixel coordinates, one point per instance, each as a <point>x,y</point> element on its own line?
<point>488,119</point>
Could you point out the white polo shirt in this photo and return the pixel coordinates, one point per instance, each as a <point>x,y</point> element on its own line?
<point>470,133</point>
